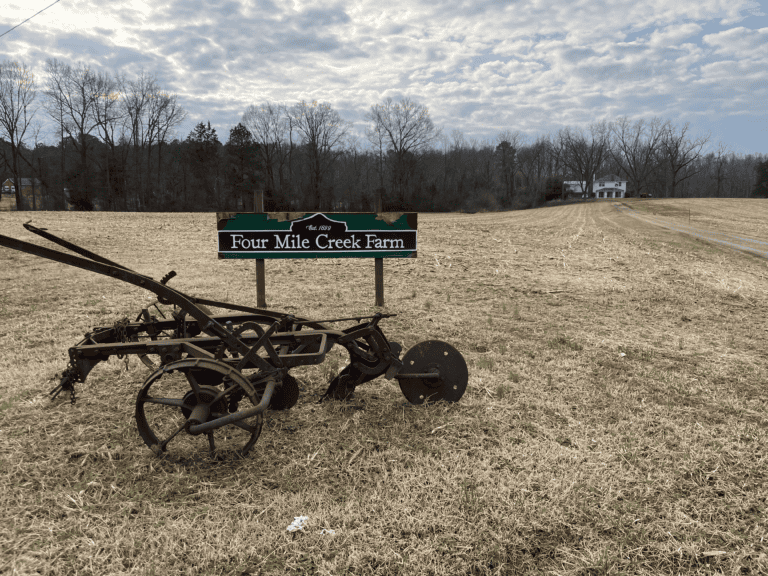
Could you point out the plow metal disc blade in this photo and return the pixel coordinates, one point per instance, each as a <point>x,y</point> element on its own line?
<point>431,356</point>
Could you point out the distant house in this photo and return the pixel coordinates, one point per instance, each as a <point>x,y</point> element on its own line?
<point>26,185</point>
<point>8,188</point>
<point>609,186</point>
<point>574,189</point>
<point>31,191</point>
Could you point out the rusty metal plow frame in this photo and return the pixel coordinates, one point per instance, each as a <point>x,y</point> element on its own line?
<point>213,350</point>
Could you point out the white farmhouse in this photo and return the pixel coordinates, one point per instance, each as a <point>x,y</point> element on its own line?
<point>609,186</point>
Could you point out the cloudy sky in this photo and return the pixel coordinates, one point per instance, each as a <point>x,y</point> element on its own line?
<point>480,66</point>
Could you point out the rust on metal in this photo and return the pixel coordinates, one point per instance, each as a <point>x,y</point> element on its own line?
<point>216,374</point>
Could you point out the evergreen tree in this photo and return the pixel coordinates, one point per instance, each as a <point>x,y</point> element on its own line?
<point>243,166</point>
<point>204,165</point>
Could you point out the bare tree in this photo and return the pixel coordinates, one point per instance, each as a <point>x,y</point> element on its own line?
<point>109,115</point>
<point>555,168</point>
<point>635,149</point>
<point>541,146</point>
<point>353,190</point>
<point>680,154</point>
<point>171,115</point>
<point>55,108</point>
<point>160,110</point>
<point>268,123</point>
<point>137,98</point>
<point>583,156</point>
<point>107,110</point>
<point>742,174</point>
<point>458,168</point>
<point>506,153</point>
<point>17,94</point>
<point>407,130</point>
<point>376,136</point>
<point>74,92</point>
<point>719,160</point>
<point>459,142</point>
<point>323,132</point>
<point>536,164</point>
<point>484,159</point>
<point>554,161</point>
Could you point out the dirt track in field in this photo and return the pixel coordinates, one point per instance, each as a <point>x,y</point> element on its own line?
<point>731,240</point>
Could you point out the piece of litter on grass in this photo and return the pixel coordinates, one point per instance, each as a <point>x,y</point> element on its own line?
<point>622,354</point>
<point>327,531</point>
<point>297,524</point>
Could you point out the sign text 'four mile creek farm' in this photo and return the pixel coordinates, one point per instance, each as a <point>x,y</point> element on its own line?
<point>307,235</point>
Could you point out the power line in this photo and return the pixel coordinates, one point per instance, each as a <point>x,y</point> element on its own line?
<point>28,19</point>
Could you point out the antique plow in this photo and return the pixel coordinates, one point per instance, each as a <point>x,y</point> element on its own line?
<point>216,374</point>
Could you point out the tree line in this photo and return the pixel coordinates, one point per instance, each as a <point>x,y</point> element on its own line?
<point>117,150</point>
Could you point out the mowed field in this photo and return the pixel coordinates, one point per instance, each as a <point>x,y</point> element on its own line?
<point>615,420</point>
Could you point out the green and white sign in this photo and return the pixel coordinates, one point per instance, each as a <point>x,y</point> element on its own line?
<point>317,235</point>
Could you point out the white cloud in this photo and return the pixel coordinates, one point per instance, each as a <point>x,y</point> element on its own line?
<point>741,42</point>
<point>674,34</point>
<point>479,65</point>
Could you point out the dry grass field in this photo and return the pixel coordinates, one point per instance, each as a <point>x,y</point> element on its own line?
<point>615,420</point>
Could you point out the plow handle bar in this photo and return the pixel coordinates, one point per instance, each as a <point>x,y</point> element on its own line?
<point>113,270</point>
<point>74,247</point>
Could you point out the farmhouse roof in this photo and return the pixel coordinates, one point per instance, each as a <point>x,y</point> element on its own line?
<point>610,178</point>
<point>24,181</point>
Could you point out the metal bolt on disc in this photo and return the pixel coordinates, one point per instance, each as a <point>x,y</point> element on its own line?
<point>434,356</point>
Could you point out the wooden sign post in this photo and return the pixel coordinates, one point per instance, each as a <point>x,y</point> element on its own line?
<point>378,264</point>
<point>261,290</point>
<point>317,235</point>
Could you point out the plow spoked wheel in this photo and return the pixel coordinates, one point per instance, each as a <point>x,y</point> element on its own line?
<point>433,357</point>
<point>169,397</point>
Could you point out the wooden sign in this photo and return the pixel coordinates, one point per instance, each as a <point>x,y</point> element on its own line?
<point>318,235</point>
